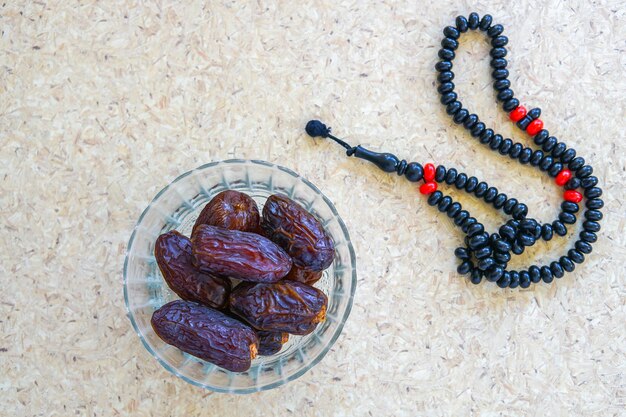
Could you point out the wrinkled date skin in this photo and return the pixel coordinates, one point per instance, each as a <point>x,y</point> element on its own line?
<point>231,210</point>
<point>298,232</point>
<point>285,306</point>
<point>303,276</point>
<point>241,255</point>
<point>207,334</point>
<point>271,342</point>
<point>174,257</point>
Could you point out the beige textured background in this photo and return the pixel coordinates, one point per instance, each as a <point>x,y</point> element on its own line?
<point>103,103</point>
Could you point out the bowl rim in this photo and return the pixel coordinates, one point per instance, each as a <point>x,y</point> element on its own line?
<point>340,324</point>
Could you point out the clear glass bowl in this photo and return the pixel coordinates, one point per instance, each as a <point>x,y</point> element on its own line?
<point>176,207</point>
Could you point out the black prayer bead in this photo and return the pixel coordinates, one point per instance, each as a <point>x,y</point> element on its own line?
<point>499,201</point>
<point>481,188</point>
<point>500,74</point>
<point>576,163</point>
<point>541,137</point>
<point>588,237</point>
<point>567,263</point>
<point>593,215</point>
<point>520,211</point>
<point>536,158</point>
<point>591,226</point>
<point>449,43</point>
<point>505,280</point>
<point>485,137</point>
<point>448,98</point>
<point>569,207</point>
<point>558,149</point>
<point>572,184</point>
<point>460,217</point>
<point>495,30</point>
<point>470,121</point>
<point>445,76</point>
<point>583,246</point>
<point>447,54</point>
<point>485,22</point>
<point>442,66</point>
<point>475,229</point>
<point>461,24</point>
<point>499,41</point>
<point>594,204</point>
<point>440,173</point>
<point>414,172</point>
<point>490,194</point>
<point>567,218</point>
<point>505,95</point>
<point>451,176</point>
<point>535,273</point>
<point>505,146</point>
<point>546,232</point>
<point>454,209</point>
<point>445,87</point>
<point>464,267</point>
<point>476,277</point>
<point>556,269</point>
<point>460,116</point>
<point>559,228</point>
<point>516,150</point>
<point>471,184</point>
<point>477,129</point>
<point>434,198</point>
<point>545,163</point>
<point>525,155</point>
<point>494,273</point>
<point>451,32</point>
<point>508,206</point>
<point>593,192</point>
<point>444,203</point>
<point>576,256</point>
<point>460,181</point>
<point>453,107</point>
<point>549,144</point>
<point>500,84</point>
<point>473,21</point>
<point>495,142</point>
<point>589,182</point>
<point>546,274</point>
<point>555,168</point>
<point>568,155</point>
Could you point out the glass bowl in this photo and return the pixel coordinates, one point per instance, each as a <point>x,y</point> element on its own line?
<point>176,207</point>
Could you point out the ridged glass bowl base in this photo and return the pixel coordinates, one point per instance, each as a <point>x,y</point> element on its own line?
<point>176,207</point>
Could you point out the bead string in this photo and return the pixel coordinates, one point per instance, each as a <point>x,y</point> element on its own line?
<point>486,255</point>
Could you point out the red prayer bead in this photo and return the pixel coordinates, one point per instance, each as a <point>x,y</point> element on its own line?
<point>563,177</point>
<point>518,113</point>
<point>573,196</point>
<point>428,187</point>
<point>534,127</point>
<point>429,172</point>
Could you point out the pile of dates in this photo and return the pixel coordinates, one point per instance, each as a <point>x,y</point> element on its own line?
<point>274,256</point>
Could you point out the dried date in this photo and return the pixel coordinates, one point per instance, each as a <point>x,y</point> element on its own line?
<point>207,334</point>
<point>241,255</point>
<point>271,342</point>
<point>303,276</point>
<point>174,257</point>
<point>231,210</point>
<point>298,232</point>
<point>285,306</point>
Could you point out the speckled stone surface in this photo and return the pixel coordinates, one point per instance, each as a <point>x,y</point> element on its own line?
<point>104,102</point>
